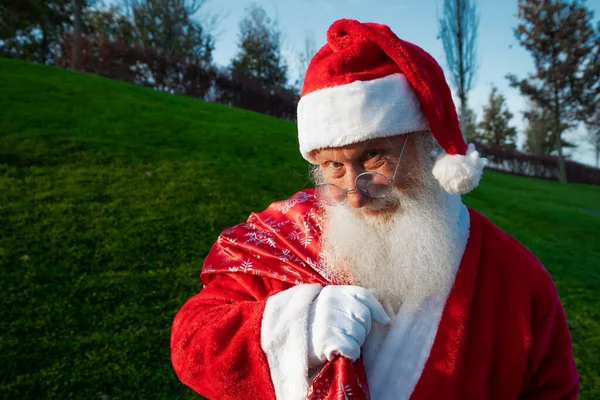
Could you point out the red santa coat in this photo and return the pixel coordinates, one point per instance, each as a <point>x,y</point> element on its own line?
<point>500,332</point>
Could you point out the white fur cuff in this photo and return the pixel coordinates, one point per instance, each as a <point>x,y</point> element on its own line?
<point>284,334</point>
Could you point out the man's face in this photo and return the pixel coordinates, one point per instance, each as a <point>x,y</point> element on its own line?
<point>400,246</point>
<point>341,165</point>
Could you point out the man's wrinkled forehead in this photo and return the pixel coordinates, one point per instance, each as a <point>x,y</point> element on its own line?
<point>359,147</point>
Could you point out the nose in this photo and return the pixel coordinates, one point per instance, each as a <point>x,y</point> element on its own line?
<point>355,198</point>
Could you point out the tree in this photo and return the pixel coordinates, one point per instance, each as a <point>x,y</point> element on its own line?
<point>109,23</point>
<point>494,127</point>
<point>259,54</point>
<point>304,57</point>
<point>563,43</point>
<point>30,29</point>
<point>593,131</point>
<point>539,132</point>
<point>458,31</point>
<point>77,6</point>
<point>171,26</point>
<point>469,125</point>
<point>15,15</point>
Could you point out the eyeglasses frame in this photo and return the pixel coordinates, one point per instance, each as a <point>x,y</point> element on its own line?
<point>362,191</point>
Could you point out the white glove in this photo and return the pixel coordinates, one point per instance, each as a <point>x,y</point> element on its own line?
<point>339,321</point>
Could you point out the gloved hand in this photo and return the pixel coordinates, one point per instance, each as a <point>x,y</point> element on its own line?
<point>339,320</point>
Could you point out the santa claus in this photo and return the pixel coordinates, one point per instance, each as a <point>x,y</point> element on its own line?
<point>378,283</point>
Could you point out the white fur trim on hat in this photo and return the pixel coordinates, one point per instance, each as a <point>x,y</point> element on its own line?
<point>358,111</point>
<point>458,174</point>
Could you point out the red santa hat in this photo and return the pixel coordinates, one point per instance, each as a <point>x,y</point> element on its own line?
<point>367,83</point>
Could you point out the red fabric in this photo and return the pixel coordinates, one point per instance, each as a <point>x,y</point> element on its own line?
<point>215,341</point>
<point>503,332</point>
<point>340,379</point>
<point>250,262</point>
<point>364,51</point>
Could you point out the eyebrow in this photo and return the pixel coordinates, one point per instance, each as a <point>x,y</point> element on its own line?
<point>386,144</point>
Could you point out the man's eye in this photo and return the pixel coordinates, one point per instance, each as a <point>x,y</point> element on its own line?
<point>335,164</point>
<point>373,153</point>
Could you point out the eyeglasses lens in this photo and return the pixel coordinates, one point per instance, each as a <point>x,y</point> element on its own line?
<point>330,194</point>
<point>373,184</point>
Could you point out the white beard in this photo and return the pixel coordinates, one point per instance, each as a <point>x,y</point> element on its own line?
<point>404,257</point>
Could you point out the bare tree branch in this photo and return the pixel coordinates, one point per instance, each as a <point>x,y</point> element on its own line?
<point>304,57</point>
<point>77,6</point>
<point>458,30</point>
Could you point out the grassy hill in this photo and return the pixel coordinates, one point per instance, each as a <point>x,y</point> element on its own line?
<point>111,195</point>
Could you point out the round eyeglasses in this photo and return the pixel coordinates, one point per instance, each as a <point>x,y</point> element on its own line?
<point>371,184</point>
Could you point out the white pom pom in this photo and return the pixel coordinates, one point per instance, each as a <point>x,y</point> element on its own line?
<point>458,174</point>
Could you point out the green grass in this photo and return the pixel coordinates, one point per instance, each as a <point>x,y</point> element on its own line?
<point>111,195</point>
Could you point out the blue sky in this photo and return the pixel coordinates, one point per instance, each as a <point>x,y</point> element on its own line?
<point>413,20</point>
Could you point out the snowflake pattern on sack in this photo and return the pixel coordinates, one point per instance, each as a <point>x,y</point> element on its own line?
<point>260,238</point>
<point>245,267</point>
<point>345,386</point>
<point>342,391</point>
<point>285,205</point>
<point>282,243</point>
<point>264,233</point>
<point>265,237</point>
<point>317,393</point>
<point>275,225</point>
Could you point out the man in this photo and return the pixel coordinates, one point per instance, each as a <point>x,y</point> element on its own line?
<point>379,283</point>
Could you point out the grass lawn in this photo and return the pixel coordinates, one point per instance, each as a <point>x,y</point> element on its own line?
<point>111,196</point>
